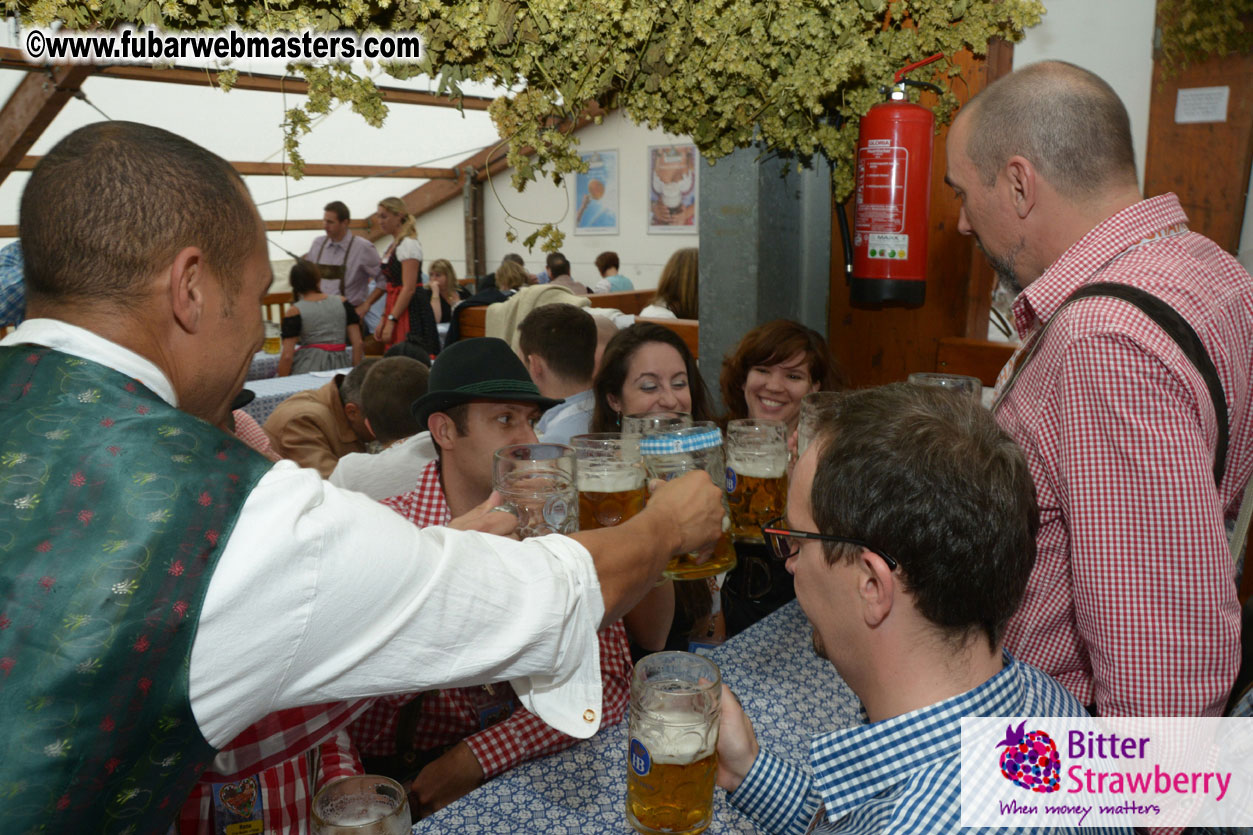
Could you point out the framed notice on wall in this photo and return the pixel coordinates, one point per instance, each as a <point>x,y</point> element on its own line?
<point>596,195</point>
<point>672,188</point>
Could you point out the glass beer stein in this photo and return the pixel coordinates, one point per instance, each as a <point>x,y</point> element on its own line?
<point>970,386</point>
<point>273,338</point>
<point>672,758</point>
<point>365,805</point>
<point>650,423</point>
<point>756,475</point>
<point>610,479</point>
<point>812,406</point>
<point>669,455</point>
<point>536,484</point>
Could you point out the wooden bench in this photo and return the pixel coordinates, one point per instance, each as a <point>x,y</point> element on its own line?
<point>473,322</point>
<point>273,305</point>
<point>973,357</point>
<point>632,301</point>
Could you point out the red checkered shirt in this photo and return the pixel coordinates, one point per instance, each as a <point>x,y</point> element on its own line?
<point>287,787</point>
<point>453,715</point>
<point>1132,602</point>
<point>251,433</point>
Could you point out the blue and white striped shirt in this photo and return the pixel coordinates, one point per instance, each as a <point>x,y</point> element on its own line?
<point>901,775</point>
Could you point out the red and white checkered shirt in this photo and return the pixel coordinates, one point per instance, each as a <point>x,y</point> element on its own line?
<point>251,433</point>
<point>1132,602</point>
<point>452,715</point>
<point>286,790</point>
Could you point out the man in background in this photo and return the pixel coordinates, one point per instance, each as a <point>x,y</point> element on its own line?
<point>349,265</point>
<point>558,346</point>
<point>1132,604</point>
<point>559,269</point>
<point>387,398</point>
<point>318,427</point>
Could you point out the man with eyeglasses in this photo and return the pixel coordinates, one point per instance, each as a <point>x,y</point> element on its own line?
<point>910,532</point>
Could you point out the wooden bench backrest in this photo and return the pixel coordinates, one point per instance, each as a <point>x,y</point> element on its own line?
<point>632,301</point>
<point>972,357</point>
<point>687,329</point>
<point>473,322</point>
<point>273,305</point>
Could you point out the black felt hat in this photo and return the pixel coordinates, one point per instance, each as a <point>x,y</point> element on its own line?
<point>484,368</point>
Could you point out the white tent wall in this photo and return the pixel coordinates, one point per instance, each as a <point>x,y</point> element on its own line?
<point>642,255</point>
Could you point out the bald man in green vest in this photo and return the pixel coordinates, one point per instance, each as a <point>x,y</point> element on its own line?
<point>163,587</point>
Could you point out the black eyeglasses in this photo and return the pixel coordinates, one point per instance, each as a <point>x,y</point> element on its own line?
<point>783,542</point>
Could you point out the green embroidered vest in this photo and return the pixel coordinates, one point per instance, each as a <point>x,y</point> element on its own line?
<point>114,507</point>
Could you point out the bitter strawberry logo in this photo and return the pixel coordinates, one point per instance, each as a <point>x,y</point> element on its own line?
<point>1030,760</point>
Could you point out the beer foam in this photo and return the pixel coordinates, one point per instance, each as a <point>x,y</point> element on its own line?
<point>610,481</point>
<point>758,466</point>
<point>676,737</point>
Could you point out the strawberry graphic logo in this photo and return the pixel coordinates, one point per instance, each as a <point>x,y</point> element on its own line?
<point>1030,760</point>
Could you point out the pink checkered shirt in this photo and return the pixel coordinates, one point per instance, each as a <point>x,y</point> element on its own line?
<point>1132,602</point>
<point>251,433</point>
<point>287,787</point>
<point>452,715</point>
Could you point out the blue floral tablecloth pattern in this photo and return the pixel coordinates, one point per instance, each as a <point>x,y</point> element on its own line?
<point>788,692</point>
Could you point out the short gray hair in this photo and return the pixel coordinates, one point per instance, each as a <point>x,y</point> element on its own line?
<point>1066,121</point>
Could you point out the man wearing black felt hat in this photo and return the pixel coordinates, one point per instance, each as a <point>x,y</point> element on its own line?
<point>480,398</point>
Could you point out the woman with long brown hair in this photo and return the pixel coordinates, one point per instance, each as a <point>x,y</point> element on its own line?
<point>648,368</point>
<point>677,295</point>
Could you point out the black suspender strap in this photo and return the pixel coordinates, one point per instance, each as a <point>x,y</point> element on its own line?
<point>1174,325</point>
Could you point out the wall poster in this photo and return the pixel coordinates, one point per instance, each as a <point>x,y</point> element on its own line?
<point>596,194</point>
<point>673,177</point>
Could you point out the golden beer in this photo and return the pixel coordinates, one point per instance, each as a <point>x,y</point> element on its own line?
<point>685,566</point>
<point>756,494</point>
<point>672,759</point>
<point>606,508</point>
<point>273,338</point>
<point>673,797</point>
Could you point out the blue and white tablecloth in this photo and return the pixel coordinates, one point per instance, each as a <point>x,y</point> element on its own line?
<point>274,391</point>
<point>263,367</point>
<point>787,691</point>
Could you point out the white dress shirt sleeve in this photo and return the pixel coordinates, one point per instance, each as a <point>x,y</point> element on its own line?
<point>323,595</point>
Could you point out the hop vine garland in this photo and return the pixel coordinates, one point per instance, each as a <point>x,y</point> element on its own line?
<point>792,76</point>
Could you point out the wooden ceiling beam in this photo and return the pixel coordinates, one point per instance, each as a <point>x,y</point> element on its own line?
<point>266,169</point>
<point>11,58</point>
<point>306,225</point>
<point>37,100</point>
<point>362,227</point>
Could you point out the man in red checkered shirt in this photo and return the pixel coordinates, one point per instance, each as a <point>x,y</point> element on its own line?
<point>480,398</point>
<point>1132,601</point>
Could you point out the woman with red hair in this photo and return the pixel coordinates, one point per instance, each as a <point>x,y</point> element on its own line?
<point>773,368</point>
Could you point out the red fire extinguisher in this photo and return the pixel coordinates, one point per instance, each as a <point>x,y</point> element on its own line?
<point>893,198</point>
